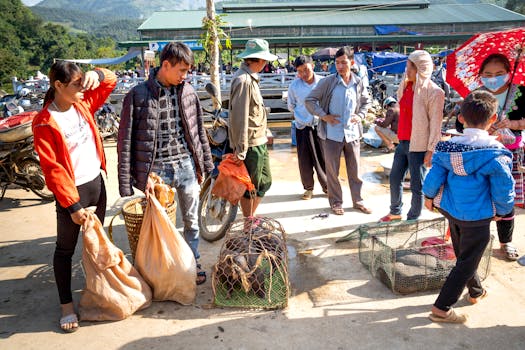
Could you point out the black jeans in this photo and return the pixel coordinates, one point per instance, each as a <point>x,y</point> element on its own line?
<point>469,240</point>
<point>310,157</point>
<point>92,193</point>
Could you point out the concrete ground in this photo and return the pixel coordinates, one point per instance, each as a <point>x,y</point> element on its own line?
<point>335,303</point>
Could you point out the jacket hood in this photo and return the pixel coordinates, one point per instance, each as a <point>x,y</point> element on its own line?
<point>423,62</point>
<point>464,160</point>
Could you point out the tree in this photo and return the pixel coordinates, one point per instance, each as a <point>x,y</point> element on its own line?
<point>516,6</point>
<point>210,41</point>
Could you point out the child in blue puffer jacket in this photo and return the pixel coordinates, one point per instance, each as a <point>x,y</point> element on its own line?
<point>470,183</point>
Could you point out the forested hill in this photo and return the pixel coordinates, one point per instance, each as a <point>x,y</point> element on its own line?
<point>127,9</point>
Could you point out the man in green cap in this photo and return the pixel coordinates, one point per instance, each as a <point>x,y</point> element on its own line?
<point>247,118</point>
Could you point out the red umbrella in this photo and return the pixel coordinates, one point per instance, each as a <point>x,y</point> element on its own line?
<point>464,63</point>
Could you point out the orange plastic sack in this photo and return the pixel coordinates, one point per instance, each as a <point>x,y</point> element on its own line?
<point>164,258</point>
<point>233,180</point>
<point>114,289</point>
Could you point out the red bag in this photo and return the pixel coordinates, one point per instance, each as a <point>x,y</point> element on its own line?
<point>233,180</point>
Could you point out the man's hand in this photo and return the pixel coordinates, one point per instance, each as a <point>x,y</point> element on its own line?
<point>429,204</point>
<point>332,119</point>
<point>355,119</point>
<point>496,218</point>
<point>79,216</point>
<point>428,159</point>
<point>238,161</point>
<point>90,80</point>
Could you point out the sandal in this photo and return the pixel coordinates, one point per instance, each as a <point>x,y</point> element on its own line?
<point>201,275</point>
<point>390,218</point>
<point>474,300</point>
<point>511,252</point>
<point>452,317</point>
<point>388,150</point>
<point>338,210</point>
<point>69,320</point>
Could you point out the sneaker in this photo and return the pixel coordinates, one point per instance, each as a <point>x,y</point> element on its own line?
<point>308,194</point>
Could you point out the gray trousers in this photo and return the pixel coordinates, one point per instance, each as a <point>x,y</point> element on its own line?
<point>332,157</point>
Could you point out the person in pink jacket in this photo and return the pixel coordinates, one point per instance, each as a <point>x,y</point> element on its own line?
<point>71,156</point>
<point>421,104</point>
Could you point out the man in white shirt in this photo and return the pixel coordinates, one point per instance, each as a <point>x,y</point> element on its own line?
<point>309,153</point>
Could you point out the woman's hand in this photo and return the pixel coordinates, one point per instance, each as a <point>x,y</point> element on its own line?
<point>502,124</point>
<point>79,216</point>
<point>90,80</point>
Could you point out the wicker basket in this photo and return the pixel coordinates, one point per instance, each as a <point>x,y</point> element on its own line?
<point>133,212</point>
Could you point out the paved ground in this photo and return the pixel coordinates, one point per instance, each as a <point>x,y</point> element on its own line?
<point>335,303</point>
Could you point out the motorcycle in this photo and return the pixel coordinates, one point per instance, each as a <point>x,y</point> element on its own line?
<point>19,165</point>
<point>216,215</point>
<point>107,121</point>
<point>378,88</point>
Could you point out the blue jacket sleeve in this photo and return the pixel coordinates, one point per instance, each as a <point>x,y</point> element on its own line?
<point>435,178</point>
<point>502,186</point>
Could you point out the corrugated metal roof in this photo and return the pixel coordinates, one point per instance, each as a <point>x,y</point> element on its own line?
<point>434,14</point>
<point>227,6</point>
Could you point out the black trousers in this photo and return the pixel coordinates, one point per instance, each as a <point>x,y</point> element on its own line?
<point>310,157</point>
<point>92,193</point>
<point>469,240</point>
<point>505,228</point>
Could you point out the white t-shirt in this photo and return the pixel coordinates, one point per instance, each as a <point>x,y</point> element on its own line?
<point>80,143</point>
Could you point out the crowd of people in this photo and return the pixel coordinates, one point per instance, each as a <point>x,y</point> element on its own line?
<point>473,179</point>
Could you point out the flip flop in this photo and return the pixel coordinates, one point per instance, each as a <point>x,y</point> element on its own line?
<point>200,273</point>
<point>477,299</point>
<point>511,252</point>
<point>71,318</point>
<point>390,218</point>
<point>338,210</point>
<point>452,317</point>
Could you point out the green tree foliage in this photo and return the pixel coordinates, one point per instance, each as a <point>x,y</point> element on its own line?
<point>27,44</point>
<point>516,6</point>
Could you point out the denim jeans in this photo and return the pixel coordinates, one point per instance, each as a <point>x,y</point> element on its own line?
<point>181,175</point>
<point>403,161</point>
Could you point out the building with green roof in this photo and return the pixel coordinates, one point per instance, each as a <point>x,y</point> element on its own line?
<point>365,23</point>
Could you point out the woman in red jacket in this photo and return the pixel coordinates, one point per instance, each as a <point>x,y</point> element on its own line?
<point>71,156</point>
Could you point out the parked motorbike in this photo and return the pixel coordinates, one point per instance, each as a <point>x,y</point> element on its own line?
<point>19,165</point>
<point>107,121</point>
<point>216,215</point>
<point>378,88</point>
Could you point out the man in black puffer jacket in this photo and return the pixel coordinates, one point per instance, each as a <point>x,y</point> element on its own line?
<point>162,131</point>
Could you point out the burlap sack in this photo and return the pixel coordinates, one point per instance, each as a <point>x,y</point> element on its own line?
<point>114,289</point>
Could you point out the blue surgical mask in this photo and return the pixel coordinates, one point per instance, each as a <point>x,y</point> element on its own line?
<point>495,83</point>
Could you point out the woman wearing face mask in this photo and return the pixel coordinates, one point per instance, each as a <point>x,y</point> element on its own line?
<point>419,130</point>
<point>495,75</point>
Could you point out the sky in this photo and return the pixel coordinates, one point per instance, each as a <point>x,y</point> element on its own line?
<point>30,2</point>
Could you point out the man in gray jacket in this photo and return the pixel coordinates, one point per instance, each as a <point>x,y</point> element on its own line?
<point>341,102</point>
<point>162,131</point>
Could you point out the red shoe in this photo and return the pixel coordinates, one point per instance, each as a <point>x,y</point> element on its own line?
<point>390,218</point>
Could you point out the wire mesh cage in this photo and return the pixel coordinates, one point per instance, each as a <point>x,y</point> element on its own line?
<point>412,256</point>
<point>252,269</point>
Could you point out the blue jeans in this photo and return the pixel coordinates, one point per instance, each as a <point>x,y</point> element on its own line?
<point>181,175</point>
<point>403,161</point>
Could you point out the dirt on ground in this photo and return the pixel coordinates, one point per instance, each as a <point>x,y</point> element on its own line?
<point>335,303</point>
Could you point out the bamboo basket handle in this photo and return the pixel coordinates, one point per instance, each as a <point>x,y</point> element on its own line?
<point>110,228</point>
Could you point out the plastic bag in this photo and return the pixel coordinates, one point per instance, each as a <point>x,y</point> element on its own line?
<point>114,289</point>
<point>372,138</point>
<point>164,258</point>
<point>233,180</point>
